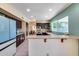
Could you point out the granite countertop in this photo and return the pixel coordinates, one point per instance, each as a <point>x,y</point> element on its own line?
<point>52,36</point>
<point>19,33</point>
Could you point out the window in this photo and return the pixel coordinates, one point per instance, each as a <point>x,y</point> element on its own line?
<point>60,25</point>
<point>54,26</point>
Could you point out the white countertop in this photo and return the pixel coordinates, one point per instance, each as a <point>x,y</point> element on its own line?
<point>19,34</point>
<point>52,36</point>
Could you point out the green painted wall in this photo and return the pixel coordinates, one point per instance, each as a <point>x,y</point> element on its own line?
<point>73,13</point>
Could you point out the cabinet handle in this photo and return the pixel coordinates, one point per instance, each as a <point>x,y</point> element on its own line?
<point>62,39</point>
<point>45,40</point>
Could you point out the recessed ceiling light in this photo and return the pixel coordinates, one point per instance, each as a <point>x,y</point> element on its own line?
<point>28,10</point>
<point>50,9</point>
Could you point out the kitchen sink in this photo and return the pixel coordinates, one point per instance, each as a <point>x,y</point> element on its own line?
<point>43,33</point>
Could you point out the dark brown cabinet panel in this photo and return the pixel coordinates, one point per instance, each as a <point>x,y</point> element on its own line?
<point>18,24</point>
<point>43,25</point>
<point>26,29</point>
<point>20,39</point>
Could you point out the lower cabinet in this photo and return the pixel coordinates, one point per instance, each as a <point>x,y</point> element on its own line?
<point>20,39</point>
<point>37,47</point>
<point>53,47</point>
<point>69,47</point>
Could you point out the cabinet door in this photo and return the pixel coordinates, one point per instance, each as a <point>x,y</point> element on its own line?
<point>68,48</point>
<point>18,24</point>
<point>55,47</point>
<point>71,47</point>
<point>4,29</point>
<point>37,47</point>
<point>12,29</point>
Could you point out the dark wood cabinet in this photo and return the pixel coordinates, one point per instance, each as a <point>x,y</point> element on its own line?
<point>26,29</point>
<point>43,25</point>
<point>18,24</point>
<point>20,39</point>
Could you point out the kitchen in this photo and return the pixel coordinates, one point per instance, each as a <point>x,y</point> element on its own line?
<point>34,37</point>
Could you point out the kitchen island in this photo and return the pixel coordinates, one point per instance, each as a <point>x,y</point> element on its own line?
<point>53,45</point>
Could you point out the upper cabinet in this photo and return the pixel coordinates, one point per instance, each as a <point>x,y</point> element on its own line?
<point>43,25</point>
<point>18,24</point>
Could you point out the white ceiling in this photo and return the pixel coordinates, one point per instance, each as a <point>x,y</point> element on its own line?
<point>40,11</point>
